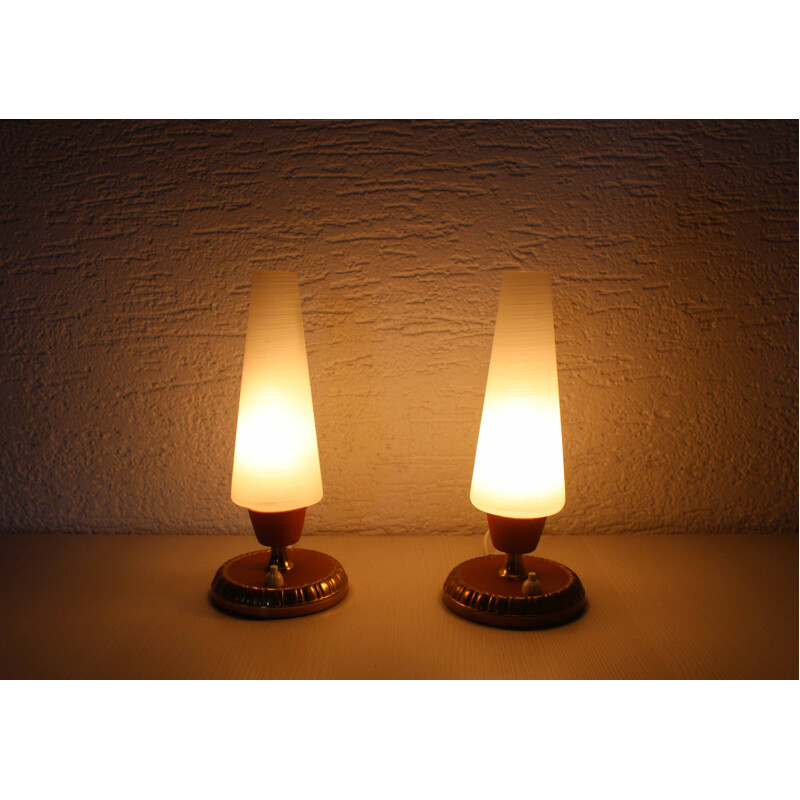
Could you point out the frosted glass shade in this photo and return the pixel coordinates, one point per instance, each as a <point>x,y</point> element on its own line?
<point>519,463</point>
<point>276,462</point>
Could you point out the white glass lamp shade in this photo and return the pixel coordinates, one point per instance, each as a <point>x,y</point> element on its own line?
<point>276,461</point>
<point>519,463</point>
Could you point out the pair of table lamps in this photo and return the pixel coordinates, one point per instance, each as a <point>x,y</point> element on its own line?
<point>518,479</point>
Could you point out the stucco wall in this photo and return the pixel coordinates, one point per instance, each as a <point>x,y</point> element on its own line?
<point>126,251</point>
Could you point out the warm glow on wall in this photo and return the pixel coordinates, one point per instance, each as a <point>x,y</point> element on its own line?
<point>519,464</point>
<point>276,462</point>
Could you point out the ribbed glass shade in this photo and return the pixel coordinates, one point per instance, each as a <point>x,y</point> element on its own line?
<point>276,462</point>
<point>519,463</point>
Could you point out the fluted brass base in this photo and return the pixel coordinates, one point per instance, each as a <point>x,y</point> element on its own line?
<point>315,582</point>
<point>476,591</point>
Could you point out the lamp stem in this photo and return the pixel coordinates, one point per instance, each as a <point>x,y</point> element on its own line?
<point>514,569</point>
<point>277,557</point>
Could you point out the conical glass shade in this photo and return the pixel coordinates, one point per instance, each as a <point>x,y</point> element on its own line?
<point>519,464</point>
<point>276,462</point>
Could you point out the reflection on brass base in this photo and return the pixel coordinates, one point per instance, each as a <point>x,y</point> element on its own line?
<point>316,582</point>
<point>476,591</point>
<point>514,568</point>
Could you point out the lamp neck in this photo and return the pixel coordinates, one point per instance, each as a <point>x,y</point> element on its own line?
<point>277,558</point>
<point>514,569</point>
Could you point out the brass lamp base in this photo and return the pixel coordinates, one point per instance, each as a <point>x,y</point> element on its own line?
<point>314,582</point>
<point>476,591</point>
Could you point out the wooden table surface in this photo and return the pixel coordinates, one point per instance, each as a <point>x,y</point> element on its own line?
<point>136,606</point>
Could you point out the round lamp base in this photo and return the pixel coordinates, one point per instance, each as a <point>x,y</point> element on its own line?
<point>474,590</point>
<point>316,582</point>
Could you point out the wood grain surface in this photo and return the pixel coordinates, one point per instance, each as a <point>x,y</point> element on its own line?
<point>117,606</point>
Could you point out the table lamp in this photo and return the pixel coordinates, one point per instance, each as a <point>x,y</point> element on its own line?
<point>276,472</point>
<point>518,478</point>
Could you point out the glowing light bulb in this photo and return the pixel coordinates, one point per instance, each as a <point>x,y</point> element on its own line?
<point>276,462</point>
<point>519,463</point>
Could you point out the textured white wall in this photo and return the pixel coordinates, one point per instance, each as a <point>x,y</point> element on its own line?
<point>126,251</point>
